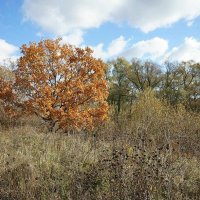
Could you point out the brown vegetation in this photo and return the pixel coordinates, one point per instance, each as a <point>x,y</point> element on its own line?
<point>151,153</point>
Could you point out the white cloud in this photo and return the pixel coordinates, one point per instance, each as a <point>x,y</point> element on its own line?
<point>64,16</point>
<point>116,47</point>
<point>71,19</point>
<point>7,50</point>
<point>150,15</point>
<point>74,38</point>
<point>153,48</point>
<point>189,50</point>
<point>98,51</point>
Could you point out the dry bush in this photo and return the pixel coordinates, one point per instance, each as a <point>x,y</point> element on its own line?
<point>10,123</point>
<point>160,121</point>
<point>6,121</point>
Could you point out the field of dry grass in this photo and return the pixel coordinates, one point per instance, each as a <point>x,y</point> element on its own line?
<point>149,152</point>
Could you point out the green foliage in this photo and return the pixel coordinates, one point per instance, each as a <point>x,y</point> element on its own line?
<point>119,84</point>
<point>174,82</point>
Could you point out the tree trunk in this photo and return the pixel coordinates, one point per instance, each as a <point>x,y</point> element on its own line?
<point>119,103</point>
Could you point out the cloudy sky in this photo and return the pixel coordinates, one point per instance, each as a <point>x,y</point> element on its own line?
<point>153,29</point>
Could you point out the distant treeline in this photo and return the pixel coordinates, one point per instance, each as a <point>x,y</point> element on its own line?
<point>173,82</point>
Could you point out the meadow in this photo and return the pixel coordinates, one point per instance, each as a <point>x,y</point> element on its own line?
<point>148,151</point>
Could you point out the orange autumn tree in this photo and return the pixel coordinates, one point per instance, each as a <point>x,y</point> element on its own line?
<point>7,97</point>
<point>8,100</point>
<point>62,84</point>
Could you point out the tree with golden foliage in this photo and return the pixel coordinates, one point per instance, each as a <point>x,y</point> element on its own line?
<point>7,97</point>
<point>8,100</point>
<point>62,84</point>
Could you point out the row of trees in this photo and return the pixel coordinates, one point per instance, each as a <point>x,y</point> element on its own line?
<point>68,88</point>
<point>174,82</point>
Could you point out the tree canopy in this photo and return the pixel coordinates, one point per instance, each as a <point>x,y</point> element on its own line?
<point>62,84</point>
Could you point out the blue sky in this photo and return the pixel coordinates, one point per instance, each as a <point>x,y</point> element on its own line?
<point>155,29</point>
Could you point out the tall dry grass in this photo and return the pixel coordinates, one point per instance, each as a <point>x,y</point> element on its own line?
<point>149,152</point>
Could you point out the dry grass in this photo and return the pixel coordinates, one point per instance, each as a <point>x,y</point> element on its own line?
<point>39,166</point>
<point>151,153</point>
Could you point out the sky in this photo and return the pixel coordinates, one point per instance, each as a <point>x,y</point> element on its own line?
<point>146,29</point>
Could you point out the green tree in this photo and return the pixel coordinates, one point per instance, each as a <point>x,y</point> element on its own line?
<point>170,84</point>
<point>189,76</point>
<point>118,82</point>
<point>144,75</point>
